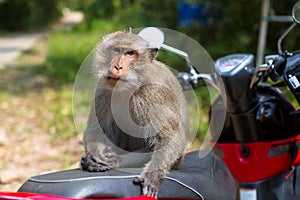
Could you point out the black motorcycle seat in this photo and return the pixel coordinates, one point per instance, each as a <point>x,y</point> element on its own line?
<point>201,176</point>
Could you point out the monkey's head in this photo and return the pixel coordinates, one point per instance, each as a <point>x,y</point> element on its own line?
<point>120,57</point>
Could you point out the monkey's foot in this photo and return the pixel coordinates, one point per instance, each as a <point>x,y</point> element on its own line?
<point>96,164</point>
<point>150,184</point>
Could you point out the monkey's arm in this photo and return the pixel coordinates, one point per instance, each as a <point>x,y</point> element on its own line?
<point>163,159</point>
<point>169,140</point>
<point>98,155</point>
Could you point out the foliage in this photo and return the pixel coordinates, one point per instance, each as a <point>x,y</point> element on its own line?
<point>92,9</point>
<point>149,13</point>
<point>65,54</point>
<point>236,28</point>
<point>18,15</point>
<point>227,30</point>
<point>134,13</point>
<point>67,49</point>
<point>231,27</point>
<point>276,29</point>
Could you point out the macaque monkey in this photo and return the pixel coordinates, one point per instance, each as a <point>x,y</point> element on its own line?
<point>138,106</point>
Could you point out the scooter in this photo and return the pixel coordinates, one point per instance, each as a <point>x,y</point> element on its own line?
<point>260,139</point>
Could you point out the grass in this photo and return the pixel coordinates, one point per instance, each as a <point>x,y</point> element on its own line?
<point>27,88</point>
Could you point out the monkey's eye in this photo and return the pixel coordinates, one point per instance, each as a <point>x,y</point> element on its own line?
<point>130,53</point>
<point>116,50</point>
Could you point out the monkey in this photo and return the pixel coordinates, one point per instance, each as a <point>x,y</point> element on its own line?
<point>138,106</point>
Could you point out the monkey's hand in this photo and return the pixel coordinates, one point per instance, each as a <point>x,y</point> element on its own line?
<point>150,182</point>
<point>100,163</point>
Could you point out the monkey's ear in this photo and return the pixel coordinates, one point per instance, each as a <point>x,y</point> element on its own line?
<point>128,30</point>
<point>153,53</point>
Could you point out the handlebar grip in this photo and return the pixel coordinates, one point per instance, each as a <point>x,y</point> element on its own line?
<point>278,67</point>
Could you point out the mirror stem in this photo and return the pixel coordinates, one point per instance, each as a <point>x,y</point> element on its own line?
<point>283,36</point>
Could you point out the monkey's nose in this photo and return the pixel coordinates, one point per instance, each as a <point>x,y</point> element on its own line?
<point>118,67</point>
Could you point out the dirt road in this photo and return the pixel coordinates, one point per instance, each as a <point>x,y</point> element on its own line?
<point>12,45</point>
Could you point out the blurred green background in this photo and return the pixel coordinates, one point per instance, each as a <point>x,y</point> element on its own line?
<point>225,27</point>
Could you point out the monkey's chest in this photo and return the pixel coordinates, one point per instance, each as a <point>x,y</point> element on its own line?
<point>130,143</point>
<point>127,141</point>
<point>127,122</point>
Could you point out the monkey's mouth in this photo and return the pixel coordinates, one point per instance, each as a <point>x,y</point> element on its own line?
<point>113,80</point>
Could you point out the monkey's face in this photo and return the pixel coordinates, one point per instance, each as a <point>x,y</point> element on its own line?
<point>120,58</point>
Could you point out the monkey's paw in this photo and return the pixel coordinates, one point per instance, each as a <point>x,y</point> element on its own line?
<point>150,184</point>
<point>93,163</point>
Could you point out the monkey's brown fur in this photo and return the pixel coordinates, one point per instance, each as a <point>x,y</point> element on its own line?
<point>138,106</point>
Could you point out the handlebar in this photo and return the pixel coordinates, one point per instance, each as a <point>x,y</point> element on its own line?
<point>273,68</point>
<point>193,80</point>
<point>277,65</point>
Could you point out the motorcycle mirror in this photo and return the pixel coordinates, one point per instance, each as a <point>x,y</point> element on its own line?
<point>153,36</point>
<point>296,12</point>
<point>296,18</point>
